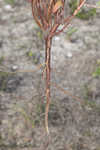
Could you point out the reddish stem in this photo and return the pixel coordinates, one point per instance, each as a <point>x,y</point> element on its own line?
<point>48,41</point>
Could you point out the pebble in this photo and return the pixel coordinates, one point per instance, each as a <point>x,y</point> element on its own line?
<point>8,7</point>
<point>57,38</point>
<point>14,68</point>
<point>69,55</point>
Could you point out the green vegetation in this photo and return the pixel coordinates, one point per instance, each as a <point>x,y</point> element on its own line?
<point>71,31</point>
<point>25,115</point>
<point>91,104</point>
<point>11,2</point>
<point>3,80</point>
<point>83,14</point>
<point>1,141</point>
<point>88,14</point>
<point>3,74</point>
<point>98,3</point>
<point>88,98</point>
<point>40,110</point>
<point>30,54</point>
<point>87,133</point>
<point>1,60</point>
<point>86,92</point>
<point>96,73</point>
<point>40,34</point>
<point>98,149</point>
<point>33,56</point>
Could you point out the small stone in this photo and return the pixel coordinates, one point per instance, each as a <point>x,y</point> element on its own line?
<point>69,55</point>
<point>57,38</point>
<point>7,7</point>
<point>14,68</point>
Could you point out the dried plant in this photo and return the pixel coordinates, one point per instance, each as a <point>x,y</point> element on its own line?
<point>49,15</point>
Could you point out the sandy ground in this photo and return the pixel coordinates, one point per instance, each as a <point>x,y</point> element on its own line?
<point>74,116</point>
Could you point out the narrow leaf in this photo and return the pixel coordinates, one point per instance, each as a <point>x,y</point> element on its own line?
<point>57,6</point>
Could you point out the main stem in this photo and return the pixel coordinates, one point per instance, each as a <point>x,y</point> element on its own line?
<point>48,41</point>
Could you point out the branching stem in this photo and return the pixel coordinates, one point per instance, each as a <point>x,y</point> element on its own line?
<point>49,15</point>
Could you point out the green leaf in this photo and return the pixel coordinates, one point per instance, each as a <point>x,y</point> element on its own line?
<point>97,72</point>
<point>30,54</point>
<point>98,3</point>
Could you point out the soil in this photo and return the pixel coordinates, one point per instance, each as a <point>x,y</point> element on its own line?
<point>74,116</point>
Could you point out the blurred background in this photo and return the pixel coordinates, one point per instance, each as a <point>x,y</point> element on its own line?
<point>74,116</point>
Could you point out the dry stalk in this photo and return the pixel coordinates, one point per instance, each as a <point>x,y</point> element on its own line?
<point>49,15</point>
